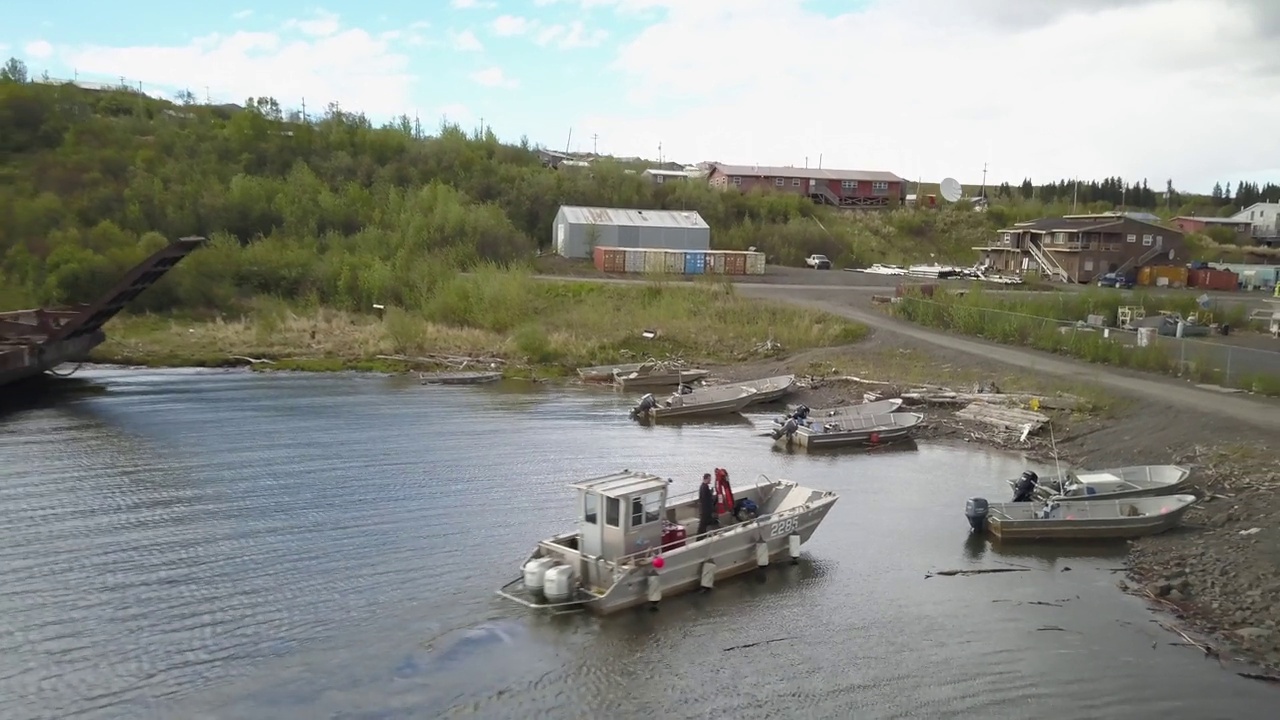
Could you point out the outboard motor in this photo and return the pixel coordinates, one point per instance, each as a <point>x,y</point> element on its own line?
<point>801,413</point>
<point>646,404</point>
<point>788,428</point>
<point>684,389</point>
<point>1025,490</point>
<point>976,509</point>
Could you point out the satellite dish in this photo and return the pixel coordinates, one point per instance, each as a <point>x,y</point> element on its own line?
<point>951,190</point>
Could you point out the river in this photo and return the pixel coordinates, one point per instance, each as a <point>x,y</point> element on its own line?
<point>207,544</point>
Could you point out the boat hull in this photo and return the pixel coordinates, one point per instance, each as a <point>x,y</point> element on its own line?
<point>605,373</point>
<point>733,554</point>
<point>1045,491</point>
<point>1061,529</point>
<point>660,379</point>
<point>723,407</point>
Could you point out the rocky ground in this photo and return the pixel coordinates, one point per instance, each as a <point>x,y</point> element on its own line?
<point>1219,574</point>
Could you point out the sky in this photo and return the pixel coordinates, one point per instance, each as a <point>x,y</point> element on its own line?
<point>1187,90</point>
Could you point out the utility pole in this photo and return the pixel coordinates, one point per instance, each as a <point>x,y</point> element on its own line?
<point>659,152</point>
<point>1075,195</point>
<point>983,192</point>
<point>594,147</point>
<point>304,110</point>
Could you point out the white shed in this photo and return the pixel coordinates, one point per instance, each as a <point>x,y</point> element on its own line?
<point>577,231</point>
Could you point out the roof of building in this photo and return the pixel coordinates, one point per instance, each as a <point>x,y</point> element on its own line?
<point>1213,220</point>
<point>667,173</point>
<point>634,218</point>
<point>805,173</point>
<point>1065,224</point>
<point>1139,215</point>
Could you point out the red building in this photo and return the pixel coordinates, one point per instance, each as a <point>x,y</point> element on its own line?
<point>1191,223</point>
<point>840,188</point>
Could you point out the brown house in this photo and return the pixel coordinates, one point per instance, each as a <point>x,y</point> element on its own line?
<point>1080,248</point>
<point>855,189</point>
<point>1191,223</point>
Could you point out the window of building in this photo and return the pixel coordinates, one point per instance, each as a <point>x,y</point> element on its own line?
<point>659,179</point>
<point>1131,238</point>
<point>880,185</point>
<point>795,182</point>
<point>737,180</point>
<point>1159,240</point>
<point>779,182</point>
<point>1147,240</point>
<point>848,184</point>
<point>644,509</point>
<point>1088,264</point>
<point>1059,238</point>
<point>612,511</point>
<point>591,508</point>
<point>1008,238</point>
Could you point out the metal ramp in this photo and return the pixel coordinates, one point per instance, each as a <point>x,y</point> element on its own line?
<point>147,273</point>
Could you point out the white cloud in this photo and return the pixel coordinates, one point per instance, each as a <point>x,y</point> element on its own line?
<point>241,14</point>
<point>38,50</point>
<point>493,77</point>
<point>348,65</point>
<point>510,25</point>
<point>568,37</point>
<point>322,24</point>
<point>465,41</point>
<point>1141,88</point>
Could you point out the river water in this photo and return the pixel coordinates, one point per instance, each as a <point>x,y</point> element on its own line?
<point>194,544</point>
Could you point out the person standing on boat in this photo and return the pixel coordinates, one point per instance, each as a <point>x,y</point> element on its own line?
<point>706,505</point>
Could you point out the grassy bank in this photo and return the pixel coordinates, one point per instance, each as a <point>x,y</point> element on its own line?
<point>492,313</point>
<point>1047,323</point>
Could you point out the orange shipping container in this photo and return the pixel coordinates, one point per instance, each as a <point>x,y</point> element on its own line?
<point>597,258</point>
<point>1173,276</point>
<point>610,260</point>
<point>1144,275</point>
<point>735,264</point>
<point>1213,279</point>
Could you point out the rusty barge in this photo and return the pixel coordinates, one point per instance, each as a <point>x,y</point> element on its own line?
<point>33,342</point>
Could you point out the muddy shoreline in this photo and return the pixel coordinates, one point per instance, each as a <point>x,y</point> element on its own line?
<point>1218,576</point>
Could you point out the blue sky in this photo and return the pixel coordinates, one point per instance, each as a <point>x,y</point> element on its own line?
<point>923,88</point>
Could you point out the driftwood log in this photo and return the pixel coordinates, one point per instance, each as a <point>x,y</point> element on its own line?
<point>1003,418</point>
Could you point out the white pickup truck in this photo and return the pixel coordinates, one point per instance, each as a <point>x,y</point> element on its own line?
<point>818,262</point>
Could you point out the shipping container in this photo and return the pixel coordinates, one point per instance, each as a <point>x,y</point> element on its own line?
<point>755,263</point>
<point>597,258</point>
<point>674,262</point>
<point>715,262</point>
<point>1212,279</point>
<point>615,260</point>
<point>735,263</point>
<point>1144,275</point>
<point>695,263</point>
<point>634,262</point>
<point>1174,276</point>
<point>655,261</point>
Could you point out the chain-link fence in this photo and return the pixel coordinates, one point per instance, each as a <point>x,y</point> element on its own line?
<point>1245,360</point>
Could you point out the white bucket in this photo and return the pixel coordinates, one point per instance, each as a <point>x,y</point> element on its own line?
<point>1144,336</point>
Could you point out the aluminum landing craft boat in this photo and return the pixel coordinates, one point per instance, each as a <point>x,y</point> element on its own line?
<point>803,415</point>
<point>635,545</point>
<point>1108,484</point>
<point>770,389</point>
<point>459,378</point>
<point>1078,519</point>
<point>655,374</point>
<point>849,429</point>
<point>718,400</point>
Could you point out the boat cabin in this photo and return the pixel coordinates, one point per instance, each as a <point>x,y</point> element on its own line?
<point>621,514</point>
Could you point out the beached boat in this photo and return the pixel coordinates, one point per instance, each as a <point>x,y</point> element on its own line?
<point>848,429</point>
<point>1108,484</point>
<point>770,389</point>
<point>656,374</point>
<point>717,400</point>
<point>459,378</point>
<point>803,414</point>
<point>605,373</point>
<point>635,544</point>
<point>1078,519</point>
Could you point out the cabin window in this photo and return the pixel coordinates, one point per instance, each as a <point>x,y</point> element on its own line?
<point>795,182</point>
<point>1131,238</point>
<point>849,184</point>
<point>1147,240</point>
<point>645,509</point>
<point>737,181</point>
<point>612,511</point>
<point>591,508</point>
<point>779,182</point>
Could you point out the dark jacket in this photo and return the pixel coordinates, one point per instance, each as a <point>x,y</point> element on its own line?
<point>706,502</point>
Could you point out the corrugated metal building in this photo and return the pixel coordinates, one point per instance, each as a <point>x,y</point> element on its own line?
<point>578,230</point>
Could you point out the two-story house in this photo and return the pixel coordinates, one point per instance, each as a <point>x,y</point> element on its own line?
<point>1264,222</point>
<point>1196,223</point>
<point>1079,248</point>
<point>865,189</point>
